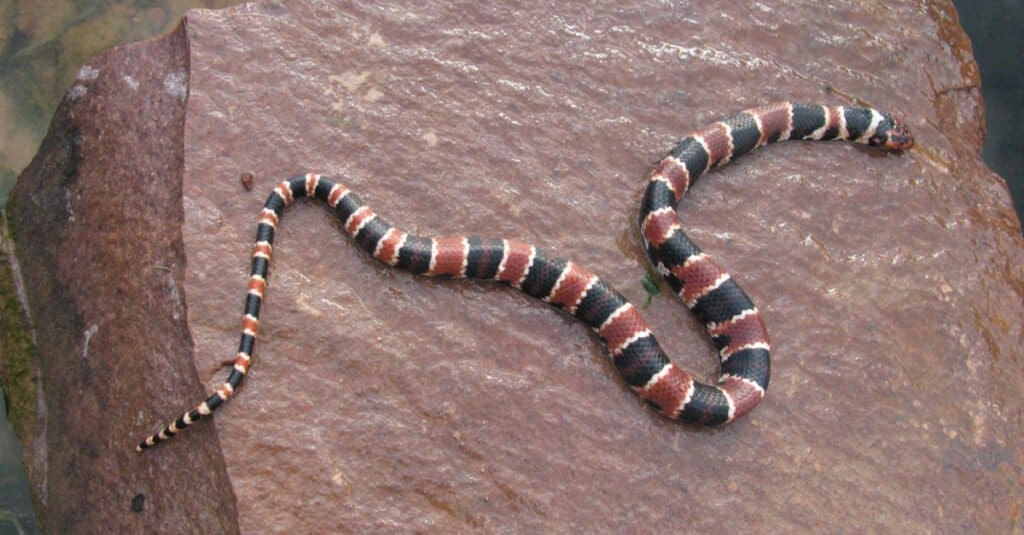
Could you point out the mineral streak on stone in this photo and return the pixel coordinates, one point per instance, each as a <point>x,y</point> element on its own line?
<point>381,401</point>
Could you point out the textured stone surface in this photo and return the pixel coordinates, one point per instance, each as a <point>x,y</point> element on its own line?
<point>891,284</point>
<point>97,222</point>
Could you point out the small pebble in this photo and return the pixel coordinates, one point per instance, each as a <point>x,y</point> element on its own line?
<point>137,502</point>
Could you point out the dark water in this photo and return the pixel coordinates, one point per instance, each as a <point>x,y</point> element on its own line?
<point>43,43</point>
<point>996,29</point>
<point>15,504</point>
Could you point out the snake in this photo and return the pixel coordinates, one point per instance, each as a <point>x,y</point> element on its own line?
<point>731,321</point>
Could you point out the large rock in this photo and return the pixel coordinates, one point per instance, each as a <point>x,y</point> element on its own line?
<point>97,222</point>
<point>891,284</point>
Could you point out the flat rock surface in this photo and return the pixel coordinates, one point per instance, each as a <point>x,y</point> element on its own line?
<point>380,399</point>
<point>891,284</point>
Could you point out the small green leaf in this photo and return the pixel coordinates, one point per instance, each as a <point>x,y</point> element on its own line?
<point>651,286</point>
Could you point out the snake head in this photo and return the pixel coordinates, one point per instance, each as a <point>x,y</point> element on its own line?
<point>891,134</point>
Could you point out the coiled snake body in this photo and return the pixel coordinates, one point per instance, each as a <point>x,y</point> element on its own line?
<point>730,319</point>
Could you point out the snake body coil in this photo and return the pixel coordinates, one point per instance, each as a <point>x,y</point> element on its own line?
<point>730,319</point>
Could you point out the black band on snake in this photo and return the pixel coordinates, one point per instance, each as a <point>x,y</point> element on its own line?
<point>730,319</point>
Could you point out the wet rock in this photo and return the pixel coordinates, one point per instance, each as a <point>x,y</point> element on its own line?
<point>380,400</point>
<point>96,218</point>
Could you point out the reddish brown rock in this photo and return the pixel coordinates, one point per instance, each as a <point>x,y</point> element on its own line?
<point>97,221</point>
<point>891,284</point>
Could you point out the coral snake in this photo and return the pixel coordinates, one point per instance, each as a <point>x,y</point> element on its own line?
<point>730,319</point>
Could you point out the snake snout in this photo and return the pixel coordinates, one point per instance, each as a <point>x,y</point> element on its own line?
<point>892,135</point>
<point>899,137</point>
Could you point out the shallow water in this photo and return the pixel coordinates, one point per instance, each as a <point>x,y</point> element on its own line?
<point>43,43</point>
<point>15,504</point>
